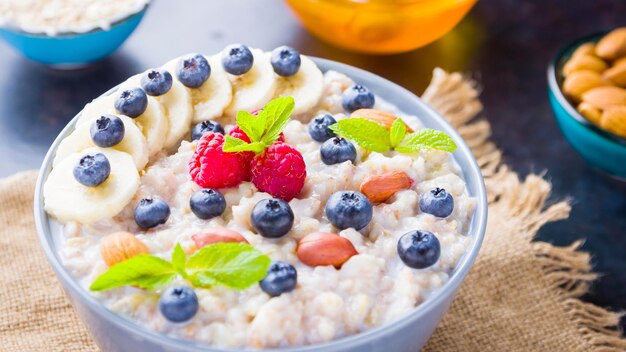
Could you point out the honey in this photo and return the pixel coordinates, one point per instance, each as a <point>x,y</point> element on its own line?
<point>380,26</point>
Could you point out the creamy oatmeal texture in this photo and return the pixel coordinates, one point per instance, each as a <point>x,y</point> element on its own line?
<point>59,16</point>
<point>371,289</point>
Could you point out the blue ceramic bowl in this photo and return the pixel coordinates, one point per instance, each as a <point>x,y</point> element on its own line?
<point>72,49</point>
<point>603,150</point>
<point>114,333</point>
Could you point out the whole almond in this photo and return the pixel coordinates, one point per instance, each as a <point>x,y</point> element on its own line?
<point>605,97</point>
<point>584,62</point>
<point>120,246</point>
<point>581,81</point>
<point>323,248</point>
<point>590,112</point>
<point>614,120</point>
<point>585,49</point>
<point>616,75</point>
<point>381,117</point>
<point>215,235</point>
<point>613,45</point>
<point>378,188</point>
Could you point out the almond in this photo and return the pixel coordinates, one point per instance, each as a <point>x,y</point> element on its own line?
<point>616,74</point>
<point>584,62</point>
<point>378,188</point>
<point>590,112</point>
<point>613,45</point>
<point>585,49</point>
<point>218,234</point>
<point>381,117</point>
<point>581,81</point>
<point>323,248</point>
<point>120,246</point>
<point>614,120</point>
<point>605,97</point>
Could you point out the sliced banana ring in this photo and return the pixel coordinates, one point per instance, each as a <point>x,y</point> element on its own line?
<point>67,200</point>
<point>306,86</point>
<point>255,88</point>
<point>153,122</point>
<point>177,106</point>
<point>211,98</point>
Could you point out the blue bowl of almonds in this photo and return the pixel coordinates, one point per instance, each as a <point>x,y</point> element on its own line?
<point>260,200</point>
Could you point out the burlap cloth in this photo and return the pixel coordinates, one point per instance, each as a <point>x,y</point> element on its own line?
<point>519,296</point>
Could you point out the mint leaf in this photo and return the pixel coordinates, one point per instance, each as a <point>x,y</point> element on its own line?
<point>235,265</point>
<point>179,258</point>
<point>276,114</point>
<point>252,126</point>
<point>426,139</point>
<point>366,133</point>
<point>397,132</point>
<point>235,145</point>
<point>143,271</point>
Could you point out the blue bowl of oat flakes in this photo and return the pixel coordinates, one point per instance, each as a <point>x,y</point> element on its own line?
<point>69,33</point>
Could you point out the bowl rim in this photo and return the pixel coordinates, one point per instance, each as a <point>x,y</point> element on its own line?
<point>476,230</point>
<point>72,34</point>
<point>554,77</point>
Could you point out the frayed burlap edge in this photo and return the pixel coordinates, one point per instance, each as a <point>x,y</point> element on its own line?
<point>567,269</point>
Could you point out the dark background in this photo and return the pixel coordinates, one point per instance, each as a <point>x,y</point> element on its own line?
<point>505,45</point>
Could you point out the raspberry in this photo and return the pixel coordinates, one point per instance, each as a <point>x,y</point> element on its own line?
<point>247,156</point>
<point>211,167</point>
<point>279,171</point>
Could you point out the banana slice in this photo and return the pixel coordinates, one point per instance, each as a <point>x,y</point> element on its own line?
<point>305,86</point>
<point>255,88</point>
<point>153,123</point>
<point>133,143</point>
<point>210,99</point>
<point>67,200</point>
<point>177,106</point>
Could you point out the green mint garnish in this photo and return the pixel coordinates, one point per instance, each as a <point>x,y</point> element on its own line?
<point>375,137</point>
<point>263,129</point>
<point>234,265</point>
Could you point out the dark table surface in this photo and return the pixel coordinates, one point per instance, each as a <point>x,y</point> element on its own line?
<point>505,44</point>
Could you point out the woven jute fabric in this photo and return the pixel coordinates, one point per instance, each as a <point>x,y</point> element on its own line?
<point>519,296</point>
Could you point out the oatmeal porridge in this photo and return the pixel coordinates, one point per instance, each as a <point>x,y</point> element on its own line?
<point>61,16</point>
<point>264,203</point>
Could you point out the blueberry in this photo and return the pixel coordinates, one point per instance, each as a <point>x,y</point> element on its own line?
<point>346,209</point>
<point>151,212</point>
<point>237,59</point>
<point>178,304</point>
<point>419,249</point>
<point>318,127</point>
<point>92,169</point>
<point>193,70</point>
<point>272,218</point>
<point>285,61</point>
<point>281,278</point>
<point>207,203</point>
<point>156,82</point>
<point>337,150</point>
<point>131,102</point>
<point>437,202</point>
<point>203,127</point>
<point>107,131</point>
<point>357,97</point>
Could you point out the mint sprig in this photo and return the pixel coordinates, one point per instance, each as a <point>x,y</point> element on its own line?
<point>234,265</point>
<point>375,137</point>
<point>263,129</point>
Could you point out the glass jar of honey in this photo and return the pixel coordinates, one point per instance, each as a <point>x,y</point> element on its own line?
<point>380,26</point>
